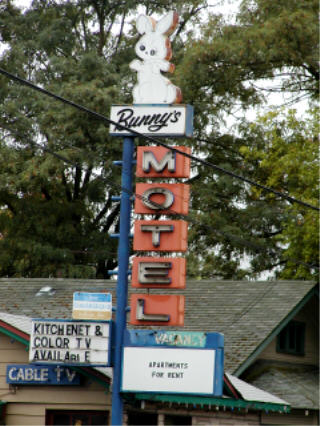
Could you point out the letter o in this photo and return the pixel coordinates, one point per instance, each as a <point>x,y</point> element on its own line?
<point>44,342</point>
<point>169,198</point>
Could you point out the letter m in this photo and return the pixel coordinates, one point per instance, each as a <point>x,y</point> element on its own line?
<point>149,160</point>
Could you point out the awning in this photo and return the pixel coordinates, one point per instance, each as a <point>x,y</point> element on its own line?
<point>238,395</point>
<point>223,403</point>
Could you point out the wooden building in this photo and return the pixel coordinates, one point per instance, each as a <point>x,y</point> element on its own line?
<point>271,357</point>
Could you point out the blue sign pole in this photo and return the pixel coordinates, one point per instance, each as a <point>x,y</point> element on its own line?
<point>122,284</point>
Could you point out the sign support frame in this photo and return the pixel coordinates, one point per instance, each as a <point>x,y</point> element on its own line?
<point>122,283</point>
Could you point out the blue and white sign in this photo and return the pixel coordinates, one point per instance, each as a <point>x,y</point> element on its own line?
<point>173,362</point>
<point>26,374</point>
<point>157,120</point>
<point>95,306</point>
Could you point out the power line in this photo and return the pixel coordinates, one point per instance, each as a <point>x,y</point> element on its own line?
<point>188,218</point>
<point>191,220</point>
<point>156,141</point>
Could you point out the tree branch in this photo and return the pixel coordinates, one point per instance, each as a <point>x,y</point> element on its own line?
<point>111,217</point>
<point>77,181</point>
<point>65,183</point>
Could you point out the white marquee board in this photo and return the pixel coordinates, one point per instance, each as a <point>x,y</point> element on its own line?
<point>149,369</point>
<point>70,342</point>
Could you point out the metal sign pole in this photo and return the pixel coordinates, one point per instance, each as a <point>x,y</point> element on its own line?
<point>122,285</point>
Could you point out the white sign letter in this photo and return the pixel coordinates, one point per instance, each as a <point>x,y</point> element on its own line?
<point>168,160</point>
<point>154,272</point>
<point>156,229</point>
<point>169,198</point>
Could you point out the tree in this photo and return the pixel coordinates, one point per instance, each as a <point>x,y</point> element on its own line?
<point>55,216</point>
<point>272,47</point>
<point>275,41</point>
<point>286,152</point>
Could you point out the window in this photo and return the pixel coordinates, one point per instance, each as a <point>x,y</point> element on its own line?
<point>177,420</point>
<point>142,418</point>
<point>79,418</point>
<point>291,339</point>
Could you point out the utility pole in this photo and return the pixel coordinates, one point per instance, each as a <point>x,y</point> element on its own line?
<point>122,284</point>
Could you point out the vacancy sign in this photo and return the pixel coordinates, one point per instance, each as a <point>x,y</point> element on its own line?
<point>92,306</point>
<point>68,342</point>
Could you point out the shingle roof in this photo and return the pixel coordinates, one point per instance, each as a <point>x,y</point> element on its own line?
<point>252,393</point>
<point>248,392</point>
<point>246,312</point>
<point>303,382</point>
<point>21,322</point>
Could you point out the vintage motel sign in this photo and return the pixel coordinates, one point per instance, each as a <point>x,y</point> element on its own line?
<point>173,362</point>
<point>158,272</point>
<point>155,111</point>
<point>160,235</point>
<point>157,120</point>
<point>158,161</point>
<point>147,309</point>
<point>165,197</point>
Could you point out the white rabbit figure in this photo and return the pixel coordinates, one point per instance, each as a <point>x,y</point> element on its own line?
<point>154,49</point>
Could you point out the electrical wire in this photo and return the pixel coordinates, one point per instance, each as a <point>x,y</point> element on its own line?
<point>253,246</point>
<point>230,237</point>
<point>154,140</point>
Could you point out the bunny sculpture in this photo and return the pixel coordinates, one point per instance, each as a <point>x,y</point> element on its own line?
<point>154,49</point>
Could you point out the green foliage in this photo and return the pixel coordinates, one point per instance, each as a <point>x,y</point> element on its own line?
<point>286,152</point>
<point>55,217</point>
<point>270,40</point>
<point>271,48</point>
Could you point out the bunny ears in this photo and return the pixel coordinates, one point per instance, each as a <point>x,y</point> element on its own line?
<point>166,25</point>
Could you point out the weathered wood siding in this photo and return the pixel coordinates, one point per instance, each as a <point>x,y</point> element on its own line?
<point>308,314</point>
<point>296,417</point>
<point>27,404</point>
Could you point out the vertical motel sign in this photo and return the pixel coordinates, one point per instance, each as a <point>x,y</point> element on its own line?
<point>160,236</point>
<point>169,235</point>
<point>156,111</point>
<point>164,235</point>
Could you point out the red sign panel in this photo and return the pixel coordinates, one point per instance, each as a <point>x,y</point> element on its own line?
<point>160,235</point>
<point>157,310</point>
<point>157,161</point>
<point>162,197</point>
<point>159,272</point>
